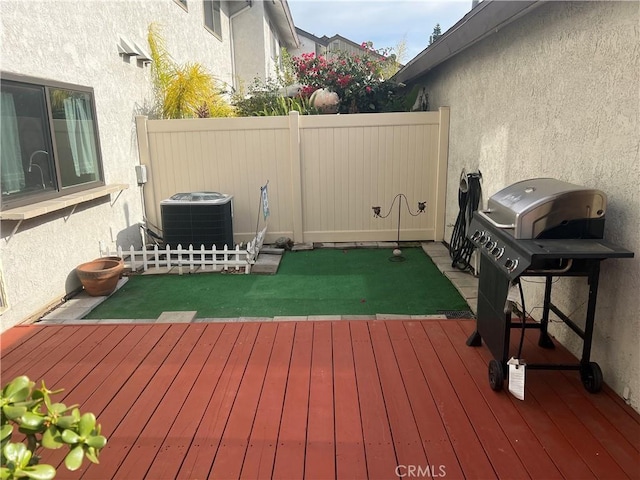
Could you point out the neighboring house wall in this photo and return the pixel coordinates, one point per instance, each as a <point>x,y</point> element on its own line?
<point>338,44</point>
<point>257,41</point>
<point>555,94</point>
<point>248,45</point>
<point>75,42</point>
<point>327,46</point>
<point>308,44</point>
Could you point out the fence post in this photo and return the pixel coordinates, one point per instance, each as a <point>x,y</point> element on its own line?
<point>296,176</point>
<point>203,261</point>
<point>441,174</point>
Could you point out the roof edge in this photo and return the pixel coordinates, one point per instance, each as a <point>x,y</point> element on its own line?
<point>483,20</point>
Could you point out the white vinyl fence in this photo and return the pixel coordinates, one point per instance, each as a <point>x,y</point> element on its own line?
<point>325,172</point>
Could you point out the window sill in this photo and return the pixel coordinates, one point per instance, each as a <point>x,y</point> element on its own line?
<point>42,208</point>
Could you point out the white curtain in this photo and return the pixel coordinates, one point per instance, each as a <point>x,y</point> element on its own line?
<point>80,128</point>
<point>11,163</point>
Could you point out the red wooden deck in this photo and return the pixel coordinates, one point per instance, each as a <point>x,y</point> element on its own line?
<point>378,399</point>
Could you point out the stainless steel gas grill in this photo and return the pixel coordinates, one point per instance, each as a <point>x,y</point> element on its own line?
<point>538,227</point>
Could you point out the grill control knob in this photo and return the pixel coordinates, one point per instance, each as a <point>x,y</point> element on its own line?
<point>484,238</point>
<point>491,245</point>
<point>497,252</point>
<point>511,264</point>
<point>475,235</point>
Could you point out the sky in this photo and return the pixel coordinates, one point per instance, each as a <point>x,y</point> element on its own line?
<point>384,22</point>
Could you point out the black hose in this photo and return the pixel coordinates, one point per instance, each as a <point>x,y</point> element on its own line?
<point>460,247</point>
<point>524,321</point>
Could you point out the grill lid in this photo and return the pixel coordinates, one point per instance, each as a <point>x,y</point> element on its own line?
<point>528,208</point>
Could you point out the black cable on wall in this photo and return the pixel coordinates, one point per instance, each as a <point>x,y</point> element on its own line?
<point>469,195</point>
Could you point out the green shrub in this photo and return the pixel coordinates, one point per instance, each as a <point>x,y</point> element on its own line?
<point>356,78</point>
<point>266,99</point>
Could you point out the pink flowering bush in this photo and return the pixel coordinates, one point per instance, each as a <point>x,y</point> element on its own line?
<point>356,79</point>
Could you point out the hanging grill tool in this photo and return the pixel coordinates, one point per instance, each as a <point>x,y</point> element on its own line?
<point>469,195</point>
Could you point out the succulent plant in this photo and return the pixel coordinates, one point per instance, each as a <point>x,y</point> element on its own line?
<point>45,425</point>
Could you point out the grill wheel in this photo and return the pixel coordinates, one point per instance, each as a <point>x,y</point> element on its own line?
<point>496,375</point>
<point>591,376</point>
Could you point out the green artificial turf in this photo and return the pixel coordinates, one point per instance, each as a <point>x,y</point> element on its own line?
<point>315,282</point>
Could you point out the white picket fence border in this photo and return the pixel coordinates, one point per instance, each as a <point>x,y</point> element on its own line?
<point>191,258</point>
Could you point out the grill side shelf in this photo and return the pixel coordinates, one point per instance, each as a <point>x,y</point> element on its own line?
<point>573,248</point>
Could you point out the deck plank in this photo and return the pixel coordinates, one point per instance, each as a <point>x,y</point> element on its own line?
<point>15,337</point>
<point>602,446</point>
<point>531,453</point>
<point>441,457</point>
<point>496,444</point>
<point>180,435</point>
<point>613,429</point>
<point>320,450</point>
<point>61,342</point>
<point>564,456</point>
<point>406,438</point>
<point>150,440</point>
<point>231,453</point>
<point>260,455</point>
<point>378,440</point>
<point>344,399</point>
<point>109,372</point>
<point>160,368</point>
<point>469,450</point>
<point>350,456</point>
<point>201,454</point>
<point>610,406</point>
<point>292,438</point>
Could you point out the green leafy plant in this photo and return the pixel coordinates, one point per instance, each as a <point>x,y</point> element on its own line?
<point>265,98</point>
<point>183,91</point>
<point>358,79</point>
<point>44,424</point>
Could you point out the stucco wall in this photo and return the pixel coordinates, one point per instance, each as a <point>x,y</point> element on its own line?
<point>307,45</point>
<point>75,42</point>
<point>557,94</point>
<point>249,37</point>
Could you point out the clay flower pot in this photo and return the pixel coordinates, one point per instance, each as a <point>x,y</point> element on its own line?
<point>100,276</point>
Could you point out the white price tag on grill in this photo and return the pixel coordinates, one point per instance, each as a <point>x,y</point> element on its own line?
<point>517,370</point>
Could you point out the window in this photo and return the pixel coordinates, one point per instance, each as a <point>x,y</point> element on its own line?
<point>49,140</point>
<point>212,17</point>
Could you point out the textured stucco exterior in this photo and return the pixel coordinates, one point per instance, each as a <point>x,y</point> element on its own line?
<point>308,45</point>
<point>75,42</point>
<point>254,58</point>
<point>556,94</point>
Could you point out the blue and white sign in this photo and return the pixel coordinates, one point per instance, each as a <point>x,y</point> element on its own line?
<point>265,201</point>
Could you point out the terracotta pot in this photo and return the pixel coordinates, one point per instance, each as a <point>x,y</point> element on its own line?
<point>113,257</point>
<point>100,276</point>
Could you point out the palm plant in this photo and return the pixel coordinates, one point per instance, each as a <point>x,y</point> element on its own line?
<point>183,91</point>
